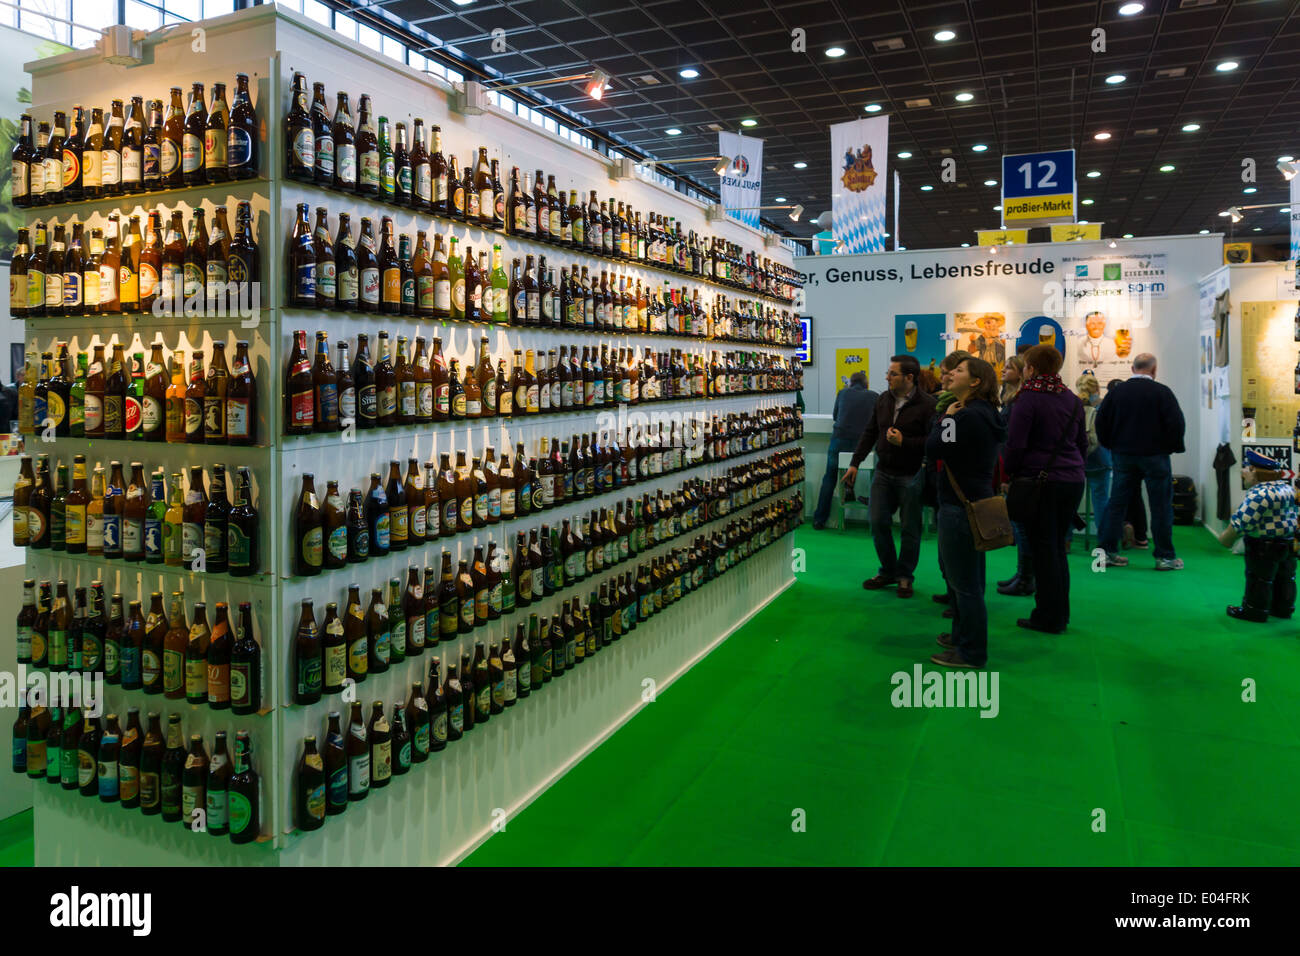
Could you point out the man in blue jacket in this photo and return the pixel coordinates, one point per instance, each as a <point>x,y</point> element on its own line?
<point>1142,425</point>
<point>854,406</point>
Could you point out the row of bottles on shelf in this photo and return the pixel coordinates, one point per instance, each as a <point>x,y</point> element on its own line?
<point>138,520</point>
<point>408,512</point>
<point>442,709</point>
<point>413,386</point>
<point>393,275</point>
<point>61,270</point>
<point>105,153</point>
<point>220,666</point>
<point>121,399</point>
<point>141,769</point>
<point>365,158</point>
<point>395,627</point>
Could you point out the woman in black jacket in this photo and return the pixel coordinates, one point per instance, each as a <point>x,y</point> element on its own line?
<point>966,439</point>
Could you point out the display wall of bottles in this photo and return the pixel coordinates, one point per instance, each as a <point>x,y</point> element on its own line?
<point>138,520</point>
<point>365,158</point>
<point>110,397</point>
<point>390,274</point>
<point>408,511</point>
<point>105,153</point>
<point>140,769</point>
<point>61,269</point>
<point>411,386</point>
<point>450,703</point>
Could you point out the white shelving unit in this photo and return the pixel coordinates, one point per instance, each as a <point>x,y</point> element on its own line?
<point>445,807</point>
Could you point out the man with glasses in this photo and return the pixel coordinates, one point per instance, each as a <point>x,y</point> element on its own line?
<point>896,431</point>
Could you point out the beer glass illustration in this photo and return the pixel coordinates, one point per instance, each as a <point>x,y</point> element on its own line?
<point>1123,339</point>
<point>909,336</point>
<point>1046,335</point>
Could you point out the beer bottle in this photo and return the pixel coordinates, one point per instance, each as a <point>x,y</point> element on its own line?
<point>336,767</point>
<point>21,161</point>
<point>421,170</point>
<point>357,530</point>
<point>134,509</point>
<point>242,133</point>
<point>422,274</point>
<point>243,808</point>
<point>354,642</point>
<point>245,666</point>
<point>112,511</point>
<point>377,517</point>
<point>173,650</point>
<point>397,650</point>
<point>385,385</point>
<point>193,517</point>
<point>243,266</point>
<point>436,701</point>
<point>456,283</point>
<point>346,269</point>
<point>214,397</point>
<point>216,797</point>
<point>416,722</point>
<point>468,690</point>
<point>390,272</point>
<point>482,685</point>
<point>334,529</point>
<point>106,770</point>
<point>432,506</point>
<point>496,677</point>
<point>240,418</point>
<point>423,383</point>
<point>307,657</point>
<point>345,147</point>
<point>324,388</point>
<point>55,628</point>
<point>194,778</point>
<point>308,530</point>
<point>368,171</point>
<point>378,632</point>
<point>400,747</point>
<point>23,487</point>
<point>466,597</point>
<point>219,651</point>
<point>114,637</point>
<point>398,514</point>
<point>132,648</point>
<point>441,278</point>
<point>299,137</point>
<point>195,268</point>
<point>347,390</point>
<point>448,498</point>
<point>310,789</point>
<point>88,747</point>
<point>216,519</point>
<point>302,262</point>
<point>173,535</point>
<point>57,507</point>
<point>404,377</point>
<point>192,152</point>
<point>54,273</point>
<point>448,601</point>
<point>358,752</point>
<point>128,761</point>
<point>334,651</point>
<point>415,504</point>
<point>300,384</point>
<point>439,383</point>
<point>196,657</point>
<point>38,507</point>
<point>524,656</point>
<point>455,696</point>
<point>401,160</point>
<point>52,163</point>
<point>172,771</point>
<point>326,270</point>
<point>363,375</point>
<point>412,613</point>
<point>151,760</point>
<point>155,632</point>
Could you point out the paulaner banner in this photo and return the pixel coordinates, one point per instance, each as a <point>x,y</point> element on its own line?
<point>742,183</point>
<point>1295,223</point>
<point>859,168</point>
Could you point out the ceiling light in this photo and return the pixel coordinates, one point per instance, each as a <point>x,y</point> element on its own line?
<point>1103,135</point>
<point>1227,66</point>
<point>1287,168</point>
<point>597,85</point>
<point>926,189</point>
<point>673,132</point>
<point>1128,235</point>
<point>943,36</point>
<point>779,199</point>
<point>990,182</point>
<point>979,148</point>
<point>721,167</point>
<point>688,73</point>
<point>1094,173</point>
<point>1116,78</point>
<point>1250,189</point>
<point>1167,168</point>
<point>904,155</point>
<point>835,52</point>
<point>796,212</point>
<point>1235,213</point>
<point>749,122</point>
<point>1087,202</point>
<point>1285,210</point>
<point>965,245</point>
<point>1258,229</point>
<point>1286,159</point>
<point>800,165</point>
<point>964,97</point>
<point>873,107</point>
<point>997,208</point>
<point>1205,232</point>
<point>1129,9</point>
<point>1191,127</point>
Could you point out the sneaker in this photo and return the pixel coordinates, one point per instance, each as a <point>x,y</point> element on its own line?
<point>1116,561</point>
<point>1169,564</point>
<point>952,658</point>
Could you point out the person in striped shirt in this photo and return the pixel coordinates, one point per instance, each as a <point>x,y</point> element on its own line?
<point>1268,518</point>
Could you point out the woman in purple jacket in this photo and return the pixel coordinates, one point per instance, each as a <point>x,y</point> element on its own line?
<point>1046,435</point>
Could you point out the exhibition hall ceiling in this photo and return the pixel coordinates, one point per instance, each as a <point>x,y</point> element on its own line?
<point>1035,69</point>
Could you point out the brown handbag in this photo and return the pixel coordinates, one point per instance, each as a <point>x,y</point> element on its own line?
<point>990,525</point>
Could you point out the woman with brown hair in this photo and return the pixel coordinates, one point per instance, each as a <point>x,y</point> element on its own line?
<point>1020,584</point>
<point>965,440</point>
<point>1047,442</point>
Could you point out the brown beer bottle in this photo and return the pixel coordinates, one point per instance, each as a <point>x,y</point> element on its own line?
<point>308,530</point>
<point>335,650</point>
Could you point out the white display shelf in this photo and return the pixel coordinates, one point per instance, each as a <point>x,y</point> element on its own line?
<point>437,813</point>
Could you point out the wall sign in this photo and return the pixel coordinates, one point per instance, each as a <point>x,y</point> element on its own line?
<point>805,351</point>
<point>1038,189</point>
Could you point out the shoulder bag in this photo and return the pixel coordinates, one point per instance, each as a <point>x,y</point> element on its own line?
<point>990,525</point>
<point>1025,493</point>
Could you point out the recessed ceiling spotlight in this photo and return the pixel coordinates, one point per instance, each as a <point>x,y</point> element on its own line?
<point>1191,127</point>
<point>673,132</point>
<point>1167,168</point>
<point>943,36</point>
<point>1103,135</point>
<point>990,182</point>
<point>1128,235</point>
<point>688,73</point>
<point>873,107</point>
<point>1087,202</point>
<point>749,122</point>
<point>1227,66</point>
<point>926,189</point>
<point>1116,78</point>
<point>964,97</point>
<point>1258,229</point>
<point>1249,189</point>
<point>965,245</point>
<point>997,208</point>
<point>801,165</point>
<point>979,148</point>
<point>1285,210</point>
<point>1093,173</point>
<point>835,52</point>
<point>779,199</point>
<point>904,155</point>
<point>1129,9</point>
<point>1286,159</point>
<point>1205,232</point>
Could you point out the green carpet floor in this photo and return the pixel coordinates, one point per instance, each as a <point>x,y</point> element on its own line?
<point>1137,712</point>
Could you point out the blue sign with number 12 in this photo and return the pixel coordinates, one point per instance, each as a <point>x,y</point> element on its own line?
<point>1038,174</point>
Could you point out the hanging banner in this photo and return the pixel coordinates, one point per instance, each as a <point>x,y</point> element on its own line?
<point>1079,230</point>
<point>898,186</point>
<point>859,161</point>
<point>1295,221</point>
<point>742,182</point>
<point>1002,237</point>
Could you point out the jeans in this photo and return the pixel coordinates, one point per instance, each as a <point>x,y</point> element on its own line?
<point>829,480</point>
<point>1130,471</point>
<point>901,493</point>
<point>964,568</point>
<point>1024,566</point>
<point>1048,530</point>
<point>1099,490</point>
<point>1270,576</point>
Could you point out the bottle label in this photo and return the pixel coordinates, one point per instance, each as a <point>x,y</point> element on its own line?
<point>338,787</point>
<point>309,676</point>
<point>111,167</point>
<point>304,148</point>
<point>336,664</point>
<point>369,170</point>
<point>346,161</point>
<point>381,532</point>
<point>132,165</point>
<point>173,670</point>
<point>423,182</point>
<point>239,148</point>
<point>370,286</point>
<point>312,543</point>
<point>347,284</point>
<point>442,295</point>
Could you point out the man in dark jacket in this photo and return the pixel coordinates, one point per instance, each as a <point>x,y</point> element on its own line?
<point>1142,425</point>
<point>897,432</point>
<point>854,407</point>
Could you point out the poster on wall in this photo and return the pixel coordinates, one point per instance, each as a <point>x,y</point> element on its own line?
<point>848,361</point>
<point>920,335</point>
<point>859,163</point>
<point>980,334</point>
<point>742,183</point>
<point>1041,330</point>
<point>1104,346</point>
<point>1268,352</point>
<point>805,350</point>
